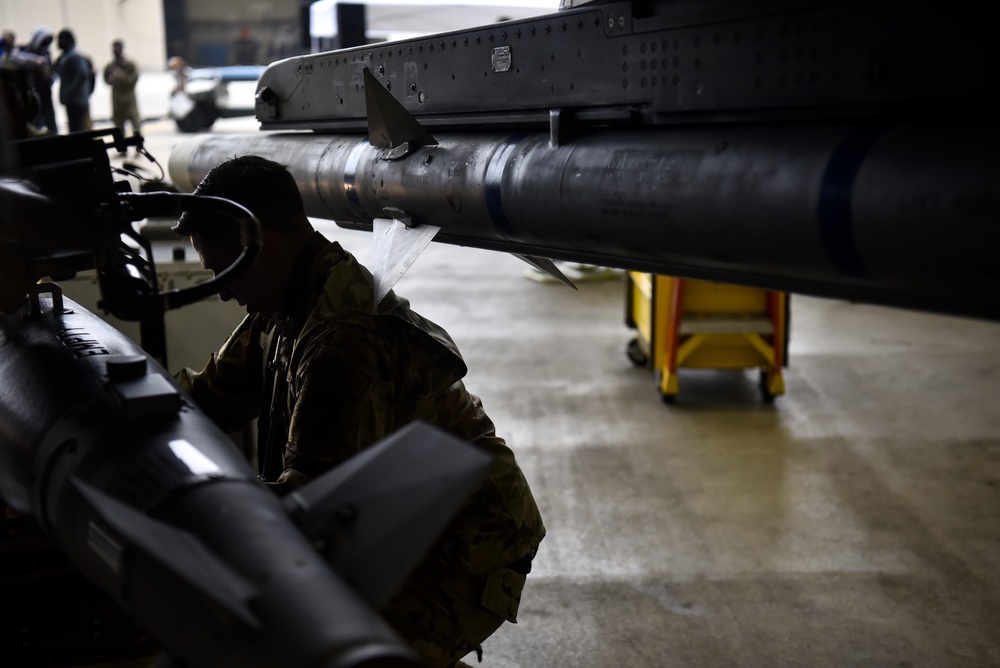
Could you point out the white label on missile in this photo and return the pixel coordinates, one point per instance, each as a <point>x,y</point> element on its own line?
<point>193,458</point>
<point>501,59</point>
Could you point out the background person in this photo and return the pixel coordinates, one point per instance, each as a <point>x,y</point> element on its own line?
<point>244,49</point>
<point>75,77</point>
<point>20,104</point>
<point>36,61</point>
<point>181,73</point>
<point>121,74</point>
<point>7,43</point>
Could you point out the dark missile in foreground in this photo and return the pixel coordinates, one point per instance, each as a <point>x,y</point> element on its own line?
<point>152,503</point>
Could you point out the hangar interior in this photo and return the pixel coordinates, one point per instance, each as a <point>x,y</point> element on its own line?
<point>855,521</point>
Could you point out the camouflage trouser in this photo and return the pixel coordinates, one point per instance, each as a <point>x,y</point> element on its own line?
<point>442,616</point>
<point>125,110</point>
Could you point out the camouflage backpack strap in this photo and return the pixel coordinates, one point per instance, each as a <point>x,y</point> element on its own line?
<point>272,426</point>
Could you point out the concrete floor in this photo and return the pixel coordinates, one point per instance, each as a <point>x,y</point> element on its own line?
<point>854,522</point>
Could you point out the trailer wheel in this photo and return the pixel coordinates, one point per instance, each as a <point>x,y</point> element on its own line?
<point>765,391</point>
<point>199,119</point>
<point>636,354</point>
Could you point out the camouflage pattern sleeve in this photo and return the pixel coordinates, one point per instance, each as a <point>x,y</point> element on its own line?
<point>131,74</point>
<point>122,76</point>
<point>337,401</point>
<point>355,385</point>
<point>229,388</point>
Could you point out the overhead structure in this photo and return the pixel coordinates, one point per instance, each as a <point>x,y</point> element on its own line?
<point>815,147</point>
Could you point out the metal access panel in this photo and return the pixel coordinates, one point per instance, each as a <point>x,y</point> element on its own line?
<point>659,62</point>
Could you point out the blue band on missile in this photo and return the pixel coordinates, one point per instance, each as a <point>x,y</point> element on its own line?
<point>836,227</point>
<point>494,184</point>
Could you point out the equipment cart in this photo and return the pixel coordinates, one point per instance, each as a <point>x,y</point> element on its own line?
<point>699,324</point>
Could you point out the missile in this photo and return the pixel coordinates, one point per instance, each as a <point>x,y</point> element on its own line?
<point>904,215</point>
<point>154,505</point>
<point>808,147</point>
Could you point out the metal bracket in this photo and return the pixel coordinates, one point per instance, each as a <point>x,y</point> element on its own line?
<point>555,127</point>
<point>396,152</point>
<point>406,219</point>
<point>35,303</point>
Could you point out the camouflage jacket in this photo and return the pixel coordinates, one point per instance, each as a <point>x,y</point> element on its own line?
<point>122,76</point>
<point>355,374</point>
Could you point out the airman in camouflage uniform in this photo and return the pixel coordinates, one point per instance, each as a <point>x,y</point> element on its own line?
<point>330,374</point>
<point>122,74</point>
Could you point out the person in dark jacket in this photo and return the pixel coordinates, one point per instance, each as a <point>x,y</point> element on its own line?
<point>75,73</point>
<point>328,372</point>
<point>35,61</point>
<point>19,104</point>
<point>7,44</point>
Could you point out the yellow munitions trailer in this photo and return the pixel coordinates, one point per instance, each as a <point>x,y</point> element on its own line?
<point>687,323</point>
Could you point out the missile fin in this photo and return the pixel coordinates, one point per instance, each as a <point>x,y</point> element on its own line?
<point>396,247</point>
<point>379,512</point>
<point>172,548</point>
<point>546,266</point>
<point>389,123</point>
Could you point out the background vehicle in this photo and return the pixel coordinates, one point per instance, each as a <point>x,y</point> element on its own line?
<point>215,92</point>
